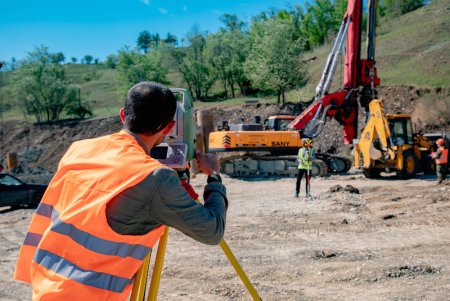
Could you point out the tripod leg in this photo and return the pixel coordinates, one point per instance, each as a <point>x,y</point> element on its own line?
<point>157,269</point>
<point>140,281</point>
<point>237,267</point>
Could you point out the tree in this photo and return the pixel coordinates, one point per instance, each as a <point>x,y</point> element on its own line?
<point>226,53</point>
<point>269,68</point>
<point>42,86</point>
<point>73,59</point>
<point>192,64</point>
<point>143,41</point>
<point>155,39</point>
<point>78,108</point>
<point>88,59</point>
<point>58,57</point>
<point>111,61</point>
<point>135,67</point>
<point>316,21</point>
<point>232,22</point>
<point>171,39</point>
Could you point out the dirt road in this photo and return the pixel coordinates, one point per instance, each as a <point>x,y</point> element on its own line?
<point>390,241</point>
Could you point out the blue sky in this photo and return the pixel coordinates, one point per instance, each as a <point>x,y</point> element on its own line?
<point>100,27</point>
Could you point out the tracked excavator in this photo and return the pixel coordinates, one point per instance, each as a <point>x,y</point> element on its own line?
<point>269,149</point>
<point>360,81</point>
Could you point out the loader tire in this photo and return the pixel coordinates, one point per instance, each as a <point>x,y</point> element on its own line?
<point>409,166</point>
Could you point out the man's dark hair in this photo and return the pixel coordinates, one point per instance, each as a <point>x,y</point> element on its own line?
<point>149,108</point>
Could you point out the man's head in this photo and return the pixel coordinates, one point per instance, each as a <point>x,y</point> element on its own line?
<point>149,108</point>
<point>307,142</point>
<point>440,142</point>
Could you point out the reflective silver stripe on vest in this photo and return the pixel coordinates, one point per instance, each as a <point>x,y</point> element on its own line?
<point>70,270</point>
<point>100,245</point>
<point>32,239</point>
<point>45,210</point>
<point>91,242</point>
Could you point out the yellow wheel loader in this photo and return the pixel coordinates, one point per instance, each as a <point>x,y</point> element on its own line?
<point>388,144</point>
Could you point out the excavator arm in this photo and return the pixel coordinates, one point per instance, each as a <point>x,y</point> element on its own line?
<point>344,105</point>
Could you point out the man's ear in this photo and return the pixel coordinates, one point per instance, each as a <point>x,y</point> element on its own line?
<point>122,115</point>
<point>168,127</point>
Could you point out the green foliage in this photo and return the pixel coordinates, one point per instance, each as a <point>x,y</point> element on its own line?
<point>395,8</point>
<point>41,86</point>
<point>147,41</point>
<point>192,64</point>
<point>316,21</point>
<point>87,59</point>
<point>111,61</point>
<point>171,39</point>
<point>143,41</point>
<point>135,67</point>
<point>79,109</point>
<point>226,53</point>
<point>274,60</point>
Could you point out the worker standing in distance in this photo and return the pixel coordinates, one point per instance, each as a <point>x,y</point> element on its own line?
<point>306,155</point>
<point>441,158</point>
<point>103,211</point>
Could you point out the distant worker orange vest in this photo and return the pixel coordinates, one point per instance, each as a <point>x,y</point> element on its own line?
<point>443,159</point>
<point>70,252</point>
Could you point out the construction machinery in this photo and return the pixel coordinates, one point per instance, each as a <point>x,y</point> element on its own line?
<point>360,80</point>
<point>268,149</point>
<point>388,144</point>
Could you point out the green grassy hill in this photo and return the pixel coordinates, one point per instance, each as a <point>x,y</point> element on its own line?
<point>413,50</point>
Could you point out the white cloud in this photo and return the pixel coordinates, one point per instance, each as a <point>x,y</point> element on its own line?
<point>146,2</point>
<point>163,11</point>
<point>185,8</point>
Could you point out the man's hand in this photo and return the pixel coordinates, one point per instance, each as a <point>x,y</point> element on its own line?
<point>207,163</point>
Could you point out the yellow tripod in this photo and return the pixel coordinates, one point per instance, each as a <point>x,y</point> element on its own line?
<point>140,282</point>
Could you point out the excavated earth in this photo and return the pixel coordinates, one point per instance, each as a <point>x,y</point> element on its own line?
<point>355,239</point>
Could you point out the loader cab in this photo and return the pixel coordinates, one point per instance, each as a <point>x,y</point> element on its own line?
<point>401,129</point>
<point>279,122</point>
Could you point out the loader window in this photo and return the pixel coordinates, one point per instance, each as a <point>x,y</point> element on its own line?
<point>409,131</point>
<point>401,131</point>
<point>397,132</point>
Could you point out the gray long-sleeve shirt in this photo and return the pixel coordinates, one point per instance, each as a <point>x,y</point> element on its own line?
<point>160,199</point>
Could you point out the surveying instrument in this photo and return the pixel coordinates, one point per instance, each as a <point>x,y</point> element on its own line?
<point>176,151</point>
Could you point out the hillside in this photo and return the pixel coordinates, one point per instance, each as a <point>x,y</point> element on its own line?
<point>411,50</point>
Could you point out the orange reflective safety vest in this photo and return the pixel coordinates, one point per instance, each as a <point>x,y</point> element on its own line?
<point>70,252</point>
<point>443,159</point>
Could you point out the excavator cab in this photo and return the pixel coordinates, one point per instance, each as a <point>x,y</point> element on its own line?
<point>279,122</point>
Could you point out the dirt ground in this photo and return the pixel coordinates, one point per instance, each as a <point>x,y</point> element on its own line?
<point>387,240</point>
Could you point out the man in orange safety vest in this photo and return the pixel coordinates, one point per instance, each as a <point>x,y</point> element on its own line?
<point>108,203</point>
<point>441,158</point>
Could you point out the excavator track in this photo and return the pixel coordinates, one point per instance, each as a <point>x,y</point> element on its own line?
<point>249,166</point>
